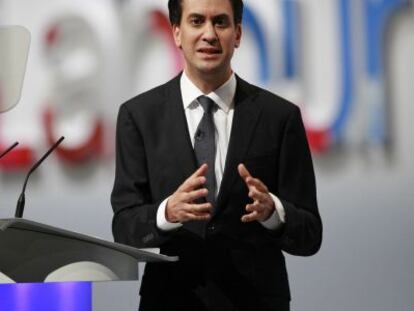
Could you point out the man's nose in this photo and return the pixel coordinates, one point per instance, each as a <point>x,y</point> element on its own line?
<point>210,34</point>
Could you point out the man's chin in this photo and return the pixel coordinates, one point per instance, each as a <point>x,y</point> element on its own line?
<point>211,69</point>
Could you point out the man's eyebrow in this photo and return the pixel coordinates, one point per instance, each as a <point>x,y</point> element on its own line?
<point>218,16</point>
<point>191,15</point>
<point>221,16</point>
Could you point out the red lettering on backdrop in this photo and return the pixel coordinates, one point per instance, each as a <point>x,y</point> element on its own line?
<point>91,148</point>
<point>319,140</point>
<point>23,156</point>
<point>19,158</point>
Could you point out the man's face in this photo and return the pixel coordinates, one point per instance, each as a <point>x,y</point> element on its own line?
<point>207,36</point>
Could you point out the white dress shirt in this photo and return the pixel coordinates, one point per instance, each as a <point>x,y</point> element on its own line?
<point>223,117</point>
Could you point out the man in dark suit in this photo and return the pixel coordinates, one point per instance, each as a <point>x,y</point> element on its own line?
<point>216,171</point>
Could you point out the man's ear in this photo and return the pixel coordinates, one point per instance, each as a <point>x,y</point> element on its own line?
<point>177,35</point>
<point>238,35</point>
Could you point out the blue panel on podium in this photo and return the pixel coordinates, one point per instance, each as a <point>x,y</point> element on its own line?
<point>69,296</point>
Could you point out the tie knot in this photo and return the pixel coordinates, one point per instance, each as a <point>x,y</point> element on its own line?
<point>207,103</point>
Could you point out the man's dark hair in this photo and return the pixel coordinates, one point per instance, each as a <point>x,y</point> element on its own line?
<point>175,9</point>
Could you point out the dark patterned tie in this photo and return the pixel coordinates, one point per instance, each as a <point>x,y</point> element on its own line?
<point>205,145</point>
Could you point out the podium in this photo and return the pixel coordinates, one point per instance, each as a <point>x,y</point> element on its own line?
<point>31,251</point>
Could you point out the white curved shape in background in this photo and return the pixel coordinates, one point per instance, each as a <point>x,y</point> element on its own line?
<point>14,43</point>
<point>82,271</point>
<point>4,279</point>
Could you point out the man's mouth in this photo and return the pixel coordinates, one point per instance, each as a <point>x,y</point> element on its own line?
<point>209,51</point>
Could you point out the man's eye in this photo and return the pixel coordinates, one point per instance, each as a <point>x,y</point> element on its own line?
<point>221,22</point>
<point>196,21</point>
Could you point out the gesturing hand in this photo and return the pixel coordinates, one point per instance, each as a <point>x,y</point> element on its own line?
<point>181,206</point>
<point>263,205</point>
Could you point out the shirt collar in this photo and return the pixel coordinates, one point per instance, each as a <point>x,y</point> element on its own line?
<point>222,96</point>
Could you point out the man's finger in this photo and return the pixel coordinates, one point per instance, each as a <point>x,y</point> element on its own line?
<point>201,171</point>
<point>197,211</point>
<point>195,194</point>
<point>251,181</point>
<point>244,173</point>
<point>258,207</point>
<point>250,217</point>
<point>195,180</point>
<point>199,208</point>
<point>192,183</point>
<point>257,195</point>
<point>199,217</point>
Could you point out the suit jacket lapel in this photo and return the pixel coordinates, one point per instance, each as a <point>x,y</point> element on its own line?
<point>246,116</point>
<point>176,123</point>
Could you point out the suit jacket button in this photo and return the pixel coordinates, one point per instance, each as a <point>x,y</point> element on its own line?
<point>211,228</point>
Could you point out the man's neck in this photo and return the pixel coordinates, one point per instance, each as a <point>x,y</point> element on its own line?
<point>208,83</point>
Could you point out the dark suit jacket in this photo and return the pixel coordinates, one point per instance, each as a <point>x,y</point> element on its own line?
<point>229,262</point>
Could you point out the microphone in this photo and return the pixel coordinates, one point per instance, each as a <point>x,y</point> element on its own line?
<point>21,201</point>
<point>9,149</point>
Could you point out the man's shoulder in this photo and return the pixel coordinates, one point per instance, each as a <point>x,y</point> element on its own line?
<point>269,100</point>
<point>153,98</point>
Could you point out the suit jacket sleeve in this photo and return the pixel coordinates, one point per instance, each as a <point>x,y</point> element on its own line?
<point>302,232</point>
<point>134,221</point>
